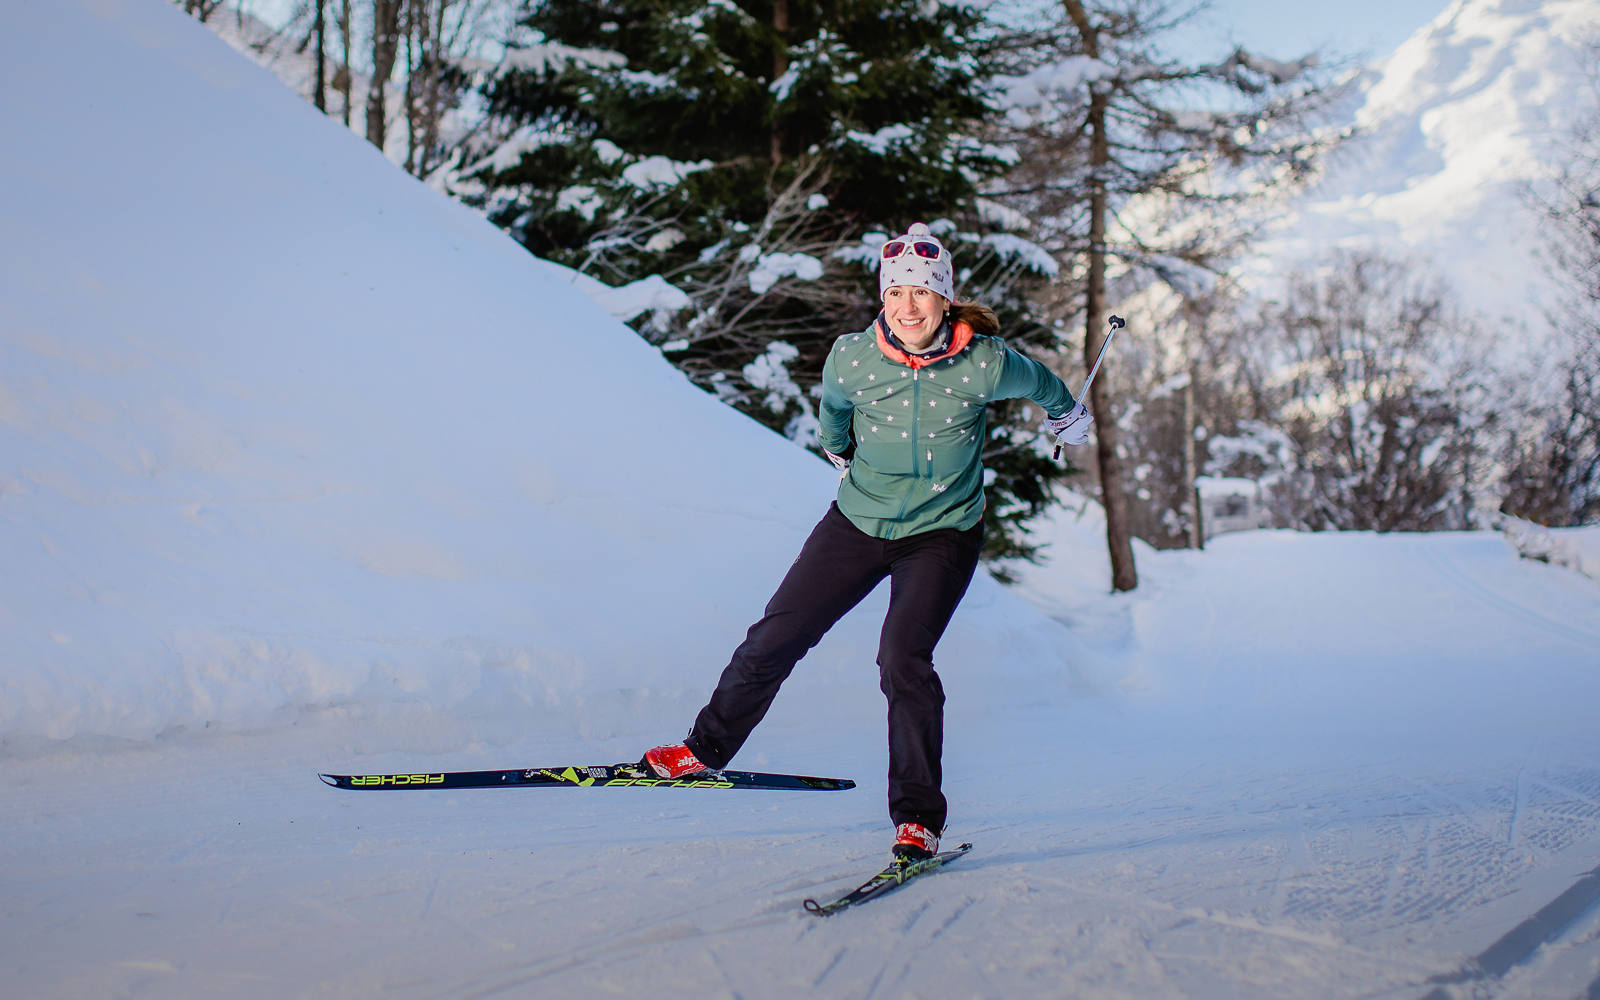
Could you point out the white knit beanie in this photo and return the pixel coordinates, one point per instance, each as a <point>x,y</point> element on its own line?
<point>911,269</point>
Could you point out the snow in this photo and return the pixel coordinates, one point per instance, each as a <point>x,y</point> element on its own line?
<point>551,57</point>
<point>780,87</point>
<point>1277,70</point>
<point>580,198</point>
<point>1577,549</point>
<point>624,302</point>
<point>1003,217</point>
<point>1032,256</point>
<point>883,139</point>
<point>660,171</point>
<point>773,267</point>
<point>307,468</point>
<point>769,373</point>
<point>1041,87</point>
<point>866,253</point>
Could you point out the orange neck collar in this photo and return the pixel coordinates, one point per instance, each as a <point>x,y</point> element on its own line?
<point>960,337</point>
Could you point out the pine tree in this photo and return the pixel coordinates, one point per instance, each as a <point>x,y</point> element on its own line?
<point>755,154</point>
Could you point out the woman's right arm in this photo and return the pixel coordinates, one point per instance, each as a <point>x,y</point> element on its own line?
<point>835,413</point>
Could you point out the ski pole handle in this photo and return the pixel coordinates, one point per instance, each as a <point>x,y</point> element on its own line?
<point>1116,323</point>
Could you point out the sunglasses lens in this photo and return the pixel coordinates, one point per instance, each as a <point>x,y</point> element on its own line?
<point>922,248</point>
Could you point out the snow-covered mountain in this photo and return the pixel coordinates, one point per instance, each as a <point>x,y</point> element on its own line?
<point>1454,126</point>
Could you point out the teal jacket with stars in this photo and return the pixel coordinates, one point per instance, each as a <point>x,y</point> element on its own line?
<point>918,425</point>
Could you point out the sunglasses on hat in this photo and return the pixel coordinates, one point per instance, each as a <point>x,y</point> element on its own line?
<point>926,249</point>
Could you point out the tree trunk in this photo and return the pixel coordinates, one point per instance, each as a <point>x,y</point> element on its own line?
<point>416,80</point>
<point>319,92</point>
<point>1191,491</point>
<point>342,82</point>
<point>780,66</point>
<point>1191,458</point>
<point>1119,539</point>
<point>385,46</point>
<point>425,89</point>
<point>435,92</point>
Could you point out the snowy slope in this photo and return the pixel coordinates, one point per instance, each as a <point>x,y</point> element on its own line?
<point>259,520</point>
<point>285,430</point>
<point>1453,127</point>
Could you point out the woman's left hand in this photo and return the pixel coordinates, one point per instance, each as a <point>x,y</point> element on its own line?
<point>1073,427</point>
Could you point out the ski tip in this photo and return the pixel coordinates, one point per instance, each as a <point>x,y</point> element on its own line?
<point>812,906</point>
<point>329,779</point>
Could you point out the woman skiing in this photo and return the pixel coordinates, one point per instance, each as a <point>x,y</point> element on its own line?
<point>903,418</point>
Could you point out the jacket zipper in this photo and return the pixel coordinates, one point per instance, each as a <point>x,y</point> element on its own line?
<point>916,436</point>
<point>917,402</point>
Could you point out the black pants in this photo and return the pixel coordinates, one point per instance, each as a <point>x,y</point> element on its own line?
<point>839,566</point>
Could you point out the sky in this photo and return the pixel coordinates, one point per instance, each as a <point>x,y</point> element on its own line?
<point>1357,28</point>
<point>1363,29</point>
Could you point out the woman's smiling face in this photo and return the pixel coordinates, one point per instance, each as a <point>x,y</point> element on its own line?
<point>914,314</point>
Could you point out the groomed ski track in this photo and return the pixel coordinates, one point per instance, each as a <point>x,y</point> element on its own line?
<point>1295,809</point>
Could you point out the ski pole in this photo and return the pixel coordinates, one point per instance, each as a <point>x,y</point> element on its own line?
<point>1116,323</point>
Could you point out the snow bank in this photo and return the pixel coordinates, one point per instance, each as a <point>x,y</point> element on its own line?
<point>284,431</point>
<point>1577,549</point>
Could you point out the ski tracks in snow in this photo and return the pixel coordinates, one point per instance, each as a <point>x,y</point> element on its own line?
<point>1508,600</point>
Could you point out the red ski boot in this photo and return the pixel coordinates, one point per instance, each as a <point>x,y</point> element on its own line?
<point>913,842</point>
<point>673,761</point>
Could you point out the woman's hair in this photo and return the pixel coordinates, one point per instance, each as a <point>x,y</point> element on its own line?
<point>980,317</point>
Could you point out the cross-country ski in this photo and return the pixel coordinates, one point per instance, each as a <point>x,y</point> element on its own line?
<point>586,776</point>
<point>896,874</point>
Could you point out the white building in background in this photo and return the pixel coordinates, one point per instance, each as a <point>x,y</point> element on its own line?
<point>1231,504</point>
